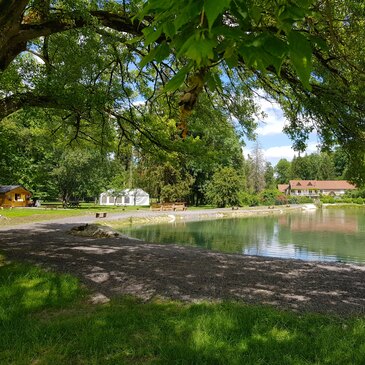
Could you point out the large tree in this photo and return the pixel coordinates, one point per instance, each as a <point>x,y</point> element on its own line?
<point>307,54</point>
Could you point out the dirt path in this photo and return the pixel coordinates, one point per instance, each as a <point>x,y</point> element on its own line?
<point>115,266</point>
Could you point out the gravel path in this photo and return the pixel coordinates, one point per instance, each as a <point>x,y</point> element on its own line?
<point>115,266</point>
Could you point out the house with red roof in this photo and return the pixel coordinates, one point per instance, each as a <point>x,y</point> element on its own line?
<point>315,188</point>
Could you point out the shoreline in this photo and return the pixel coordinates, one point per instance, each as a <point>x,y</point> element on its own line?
<point>111,267</point>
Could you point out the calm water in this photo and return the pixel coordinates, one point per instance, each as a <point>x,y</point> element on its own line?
<point>332,234</point>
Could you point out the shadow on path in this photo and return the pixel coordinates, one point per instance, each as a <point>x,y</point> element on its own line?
<point>116,266</point>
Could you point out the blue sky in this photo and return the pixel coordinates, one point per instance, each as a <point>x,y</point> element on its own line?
<point>274,143</point>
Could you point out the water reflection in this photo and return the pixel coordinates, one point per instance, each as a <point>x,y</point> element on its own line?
<point>324,234</point>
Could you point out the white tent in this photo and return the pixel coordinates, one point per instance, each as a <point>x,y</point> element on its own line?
<point>126,197</point>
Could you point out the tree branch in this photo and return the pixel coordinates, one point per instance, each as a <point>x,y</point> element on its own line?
<point>16,31</point>
<point>15,102</point>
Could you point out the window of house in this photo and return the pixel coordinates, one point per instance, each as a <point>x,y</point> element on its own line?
<point>17,197</point>
<point>126,200</point>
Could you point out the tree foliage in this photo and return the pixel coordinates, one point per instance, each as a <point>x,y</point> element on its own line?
<point>224,188</point>
<point>91,63</point>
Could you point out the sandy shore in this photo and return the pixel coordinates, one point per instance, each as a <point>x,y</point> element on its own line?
<point>117,266</point>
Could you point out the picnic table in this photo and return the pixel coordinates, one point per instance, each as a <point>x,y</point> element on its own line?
<point>168,206</point>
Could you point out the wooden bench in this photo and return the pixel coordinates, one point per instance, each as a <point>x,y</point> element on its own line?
<point>167,206</point>
<point>100,215</point>
<point>156,207</point>
<point>179,206</point>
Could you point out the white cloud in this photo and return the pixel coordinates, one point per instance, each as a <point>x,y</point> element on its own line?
<point>276,153</point>
<point>274,121</point>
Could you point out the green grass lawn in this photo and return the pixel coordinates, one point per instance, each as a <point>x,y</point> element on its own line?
<point>29,215</point>
<point>45,319</point>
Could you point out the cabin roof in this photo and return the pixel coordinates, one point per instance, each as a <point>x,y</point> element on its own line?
<point>7,188</point>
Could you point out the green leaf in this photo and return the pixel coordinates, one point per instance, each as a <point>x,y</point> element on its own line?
<point>162,52</point>
<point>319,42</point>
<point>276,46</point>
<point>151,35</point>
<point>177,80</point>
<point>294,11</point>
<point>148,58</point>
<point>240,9</point>
<point>189,12</point>
<point>300,53</point>
<point>231,57</point>
<point>169,29</point>
<point>198,49</point>
<point>213,8</point>
<point>256,13</point>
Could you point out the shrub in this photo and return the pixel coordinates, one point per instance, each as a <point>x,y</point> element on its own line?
<point>328,199</point>
<point>281,199</point>
<point>268,197</point>
<point>248,199</point>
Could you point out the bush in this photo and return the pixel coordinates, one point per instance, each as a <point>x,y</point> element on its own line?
<point>328,199</point>
<point>248,199</point>
<point>268,197</point>
<point>300,200</point>
<point>281,199</point>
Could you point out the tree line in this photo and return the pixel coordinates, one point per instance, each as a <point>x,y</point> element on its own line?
<point>207,167</point>
<point>161,94</point>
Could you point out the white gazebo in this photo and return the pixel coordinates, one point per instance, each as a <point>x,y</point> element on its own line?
<point>127,197</point>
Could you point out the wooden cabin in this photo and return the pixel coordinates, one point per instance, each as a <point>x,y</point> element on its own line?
<point>12,196</point>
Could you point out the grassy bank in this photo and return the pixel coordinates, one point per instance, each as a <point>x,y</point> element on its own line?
<point>29,215</point>
<point>45,319</point>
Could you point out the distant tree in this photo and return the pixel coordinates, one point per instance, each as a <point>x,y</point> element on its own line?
<point>269,176</point>
<point>300,168</point>
<point>168,183</point>
<point>326,167</point>
<point>283,171</point>
<point>224,188</point>
<point>80,173</point>
<point>255,170</point>
<point>340,162</point>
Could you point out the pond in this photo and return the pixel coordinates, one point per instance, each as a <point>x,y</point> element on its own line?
<point>328,234</point>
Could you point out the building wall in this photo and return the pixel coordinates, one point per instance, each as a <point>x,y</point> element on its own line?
<point>127,200</point>
<point>312,193</point>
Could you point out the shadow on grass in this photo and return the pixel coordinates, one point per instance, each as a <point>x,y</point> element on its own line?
<point>43,322</point>
<point>25,289</point>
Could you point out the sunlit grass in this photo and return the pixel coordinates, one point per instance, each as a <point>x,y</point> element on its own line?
<point>44,319</point>
<point>29,215</point>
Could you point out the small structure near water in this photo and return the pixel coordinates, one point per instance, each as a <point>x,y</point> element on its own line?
<point>126,197</point>
<point>12,196</point>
